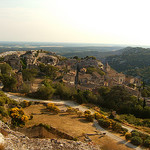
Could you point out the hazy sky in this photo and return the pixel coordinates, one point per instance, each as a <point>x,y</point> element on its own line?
<point>85,21</point>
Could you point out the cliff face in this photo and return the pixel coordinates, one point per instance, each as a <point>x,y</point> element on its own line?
<point>17,141</point>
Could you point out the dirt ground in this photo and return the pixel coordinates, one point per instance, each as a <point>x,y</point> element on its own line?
<point>70,124</point>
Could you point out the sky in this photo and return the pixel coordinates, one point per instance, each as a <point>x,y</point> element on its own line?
<point>76,21</point>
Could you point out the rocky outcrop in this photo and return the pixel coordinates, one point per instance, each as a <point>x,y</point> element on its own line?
<point>13,61</point>
<point>18,141</point>
<point>49,59</point>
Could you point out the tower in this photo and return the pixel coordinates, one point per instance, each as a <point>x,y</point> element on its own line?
<point>107,67</point>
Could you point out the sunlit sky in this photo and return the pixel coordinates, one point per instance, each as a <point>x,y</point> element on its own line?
<point>79,21</point>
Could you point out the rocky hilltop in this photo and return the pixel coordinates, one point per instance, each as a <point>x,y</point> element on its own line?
<point>17,141</point>
<point>86,73</point>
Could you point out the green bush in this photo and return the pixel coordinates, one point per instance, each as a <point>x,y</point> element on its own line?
<point>45,92</point>
<point>136,140</point>
<point>2,101</point>
<point>147,143</point>
<point>116,127</point>
<point>25,103</point>
<point>25,88</point>
<point>3,112</point>
<point>64,91</point>
<point>106,123</point>
<point>135,134</point>
<point>90,70</point>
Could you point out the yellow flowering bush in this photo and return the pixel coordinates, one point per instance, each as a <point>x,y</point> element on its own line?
<point>89,117</point>
<point>18,117</point>
<point>109,123</point>
<point>24,118</point>
<point>99,116</point>
<point>71,110</point>
<point>52,108</point>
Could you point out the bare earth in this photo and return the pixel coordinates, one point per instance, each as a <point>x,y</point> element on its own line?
<point>70,124</point>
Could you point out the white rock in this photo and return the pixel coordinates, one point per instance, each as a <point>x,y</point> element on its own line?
<point>1,138</point>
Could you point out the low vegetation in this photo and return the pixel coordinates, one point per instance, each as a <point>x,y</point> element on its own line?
<point>131,119</point>
<point>18,117</point>
<point>138,138</point>
<point>52,108</point>
<point>90,70</point>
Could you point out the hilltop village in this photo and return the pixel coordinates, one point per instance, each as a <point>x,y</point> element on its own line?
<point>85,73</point>
<point>98,97</point>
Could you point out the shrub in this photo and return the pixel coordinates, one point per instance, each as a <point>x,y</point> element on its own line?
<point>45,92</point>
<point>25,88</point>
<point>25,104</point>
<point>87,112</point>
<point>18,116</point>
<point>136,140</point>
<point>89,117</point>
<point>135,134</point>
<point>116,127</point>
<point>2,101</point>
<point>106,123</point>
<point>128,136</point>
<point>71,110</point>
<point>64,91</point>
<point>147,143</point>
<point>97,116</point>
<point>3,112</point>
<point>52,108</point>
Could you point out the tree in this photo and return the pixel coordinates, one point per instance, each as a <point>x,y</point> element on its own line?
<point>48,70</point>
<point>136,140</point>
<point>9,82</point>
<point>64,92</point>
<point>29,74</point>
<point>25,88</point>
<point>5,68</point>
<point>144,102</point>
<point>103,91</point>
<point>45,92</point>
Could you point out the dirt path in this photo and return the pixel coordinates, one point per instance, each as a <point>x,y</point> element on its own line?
<point>118,139</point>
<point>82,108</point>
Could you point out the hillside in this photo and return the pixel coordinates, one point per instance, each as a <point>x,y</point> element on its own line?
<point>40,74</point>
<point>133,61</point>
